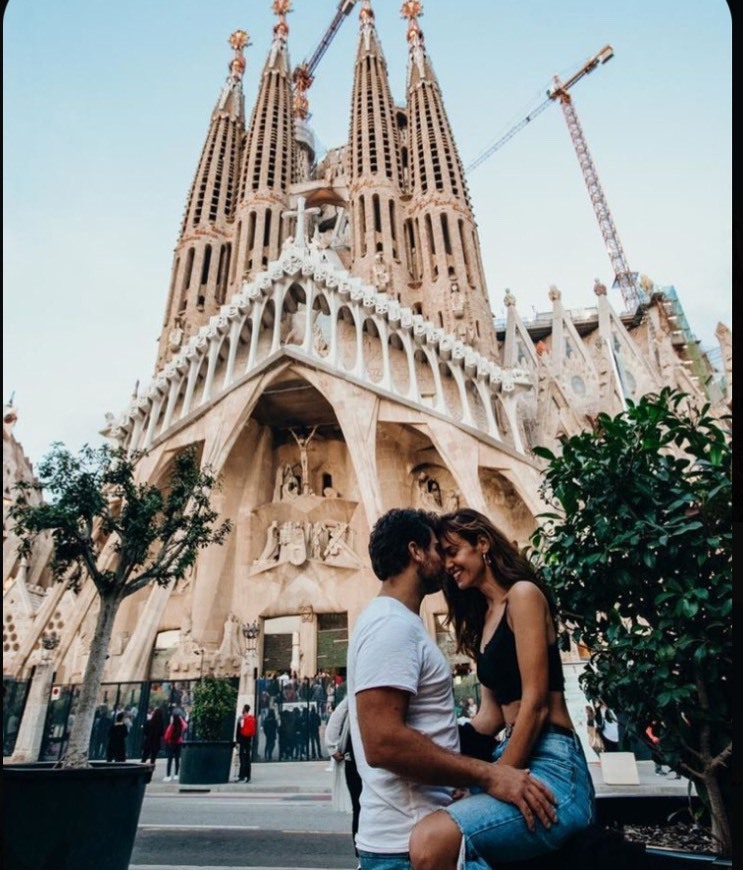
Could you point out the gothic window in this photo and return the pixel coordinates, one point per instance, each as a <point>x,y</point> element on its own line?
<point>377,213</point>
<point>393,228</point>
<point>186,278</point>
<point>431,246</point>
<point>205,265</point>
<point>362,225</point>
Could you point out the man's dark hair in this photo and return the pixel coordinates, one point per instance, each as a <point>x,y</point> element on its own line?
<point>392,532</point>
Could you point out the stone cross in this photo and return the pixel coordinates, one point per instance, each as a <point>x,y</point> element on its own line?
<point>300,234</point>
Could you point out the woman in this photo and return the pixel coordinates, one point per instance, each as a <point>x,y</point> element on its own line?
<point>346,782</point>
<point>504,620</point>
<point>270,727</point>
<point>174,736</point>
<point>594,738</point>
<point>152,735</point>
<point>117,734</point>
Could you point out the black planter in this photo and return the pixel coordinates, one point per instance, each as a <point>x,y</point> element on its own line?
<point>656,810</point>
<point>653,809</point>
<point>676,859</point>
<point>205,762</point>
<point>71,819</point>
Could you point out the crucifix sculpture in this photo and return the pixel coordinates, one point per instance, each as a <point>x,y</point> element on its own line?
<point>303,442</point>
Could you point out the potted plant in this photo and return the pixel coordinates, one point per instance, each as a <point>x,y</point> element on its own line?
<point>637,550</point>
<point>207,751</point>
<point>120,535</point>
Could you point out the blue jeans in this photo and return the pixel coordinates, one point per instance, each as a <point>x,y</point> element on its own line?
<point>495,831</point>
<point>382,861</point>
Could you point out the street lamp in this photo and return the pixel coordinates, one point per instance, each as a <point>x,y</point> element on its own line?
<point>200,652</point>
<point>251,632</point>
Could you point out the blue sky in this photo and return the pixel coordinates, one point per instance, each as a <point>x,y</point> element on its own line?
<point>105,109</point>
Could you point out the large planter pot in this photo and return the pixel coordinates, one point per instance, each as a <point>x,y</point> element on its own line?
<point>205,762</point>
<point>653,810</point>
<point>71,819</point>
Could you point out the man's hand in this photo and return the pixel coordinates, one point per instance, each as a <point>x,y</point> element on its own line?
<point>525,791</point>
<point>338,756</point>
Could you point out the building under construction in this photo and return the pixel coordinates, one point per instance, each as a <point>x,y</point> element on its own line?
<point>328,344</point>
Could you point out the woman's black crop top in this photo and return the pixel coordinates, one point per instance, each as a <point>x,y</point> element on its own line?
<point>498,668</point>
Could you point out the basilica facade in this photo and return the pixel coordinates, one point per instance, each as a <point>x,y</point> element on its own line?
<point>328,344</point>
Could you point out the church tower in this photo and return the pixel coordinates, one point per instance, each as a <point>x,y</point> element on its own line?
<point>268,166</point>
<point>374,169</point>
<point>198,283</point>
<point>440,234</point>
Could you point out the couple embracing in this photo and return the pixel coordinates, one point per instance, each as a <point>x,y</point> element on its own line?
<point>429,798</point>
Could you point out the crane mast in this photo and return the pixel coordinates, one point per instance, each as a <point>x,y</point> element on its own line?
<point>303,75</point>
<point>624,279</point>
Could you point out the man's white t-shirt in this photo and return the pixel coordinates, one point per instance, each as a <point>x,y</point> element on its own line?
<point>391,648</point>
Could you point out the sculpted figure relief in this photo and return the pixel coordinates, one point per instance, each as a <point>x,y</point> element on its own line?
<point>429,492</point>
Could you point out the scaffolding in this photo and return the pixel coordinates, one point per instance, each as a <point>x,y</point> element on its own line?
<point>704,366</point>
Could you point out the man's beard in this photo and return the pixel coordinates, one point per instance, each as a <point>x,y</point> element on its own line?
<point>431,579</point>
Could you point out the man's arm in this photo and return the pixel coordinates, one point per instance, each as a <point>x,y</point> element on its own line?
<point>390,743</point>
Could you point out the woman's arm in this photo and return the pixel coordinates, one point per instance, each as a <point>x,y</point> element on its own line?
<point>527,608</point>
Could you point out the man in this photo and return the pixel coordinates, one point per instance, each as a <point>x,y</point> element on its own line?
<point>401,704</point>
<point>244,734</point>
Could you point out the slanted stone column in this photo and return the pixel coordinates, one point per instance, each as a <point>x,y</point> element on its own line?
<point>31,732</point>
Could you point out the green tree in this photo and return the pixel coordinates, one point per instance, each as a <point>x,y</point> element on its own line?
<point>214,702</point>
<point>120,533</point>
<point>637,549</point>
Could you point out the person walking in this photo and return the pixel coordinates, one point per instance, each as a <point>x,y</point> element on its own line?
<point>117,734</point>
<point>608,727</point>
<point>651,732</point>
<point>270,727</point>
<point>504,619</point>
<point>401,705</point>
<point>346,780</point>
<point>152,735</point>
<point>173,740</point>
<point>594,738</point>
<point>244,734</point>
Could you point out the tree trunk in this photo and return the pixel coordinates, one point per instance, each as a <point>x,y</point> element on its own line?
<point>76,754</point>
<point>718,814</point>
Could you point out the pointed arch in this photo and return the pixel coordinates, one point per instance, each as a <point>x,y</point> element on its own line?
<point>399,368</point>
<point>372,345</point>
<point>451,392</point>
<point>425,378</point>
<point>346,324</point>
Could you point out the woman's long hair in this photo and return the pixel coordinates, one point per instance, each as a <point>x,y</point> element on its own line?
<point>467,607</point>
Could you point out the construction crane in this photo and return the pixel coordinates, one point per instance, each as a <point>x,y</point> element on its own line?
<point>624,279</point>
<point>303,75</point>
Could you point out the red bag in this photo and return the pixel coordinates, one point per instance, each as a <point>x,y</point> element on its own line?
<point>247,726</point>
<point>168,736</point>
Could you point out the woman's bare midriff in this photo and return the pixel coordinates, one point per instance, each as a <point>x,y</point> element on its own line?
<point>558,711</point>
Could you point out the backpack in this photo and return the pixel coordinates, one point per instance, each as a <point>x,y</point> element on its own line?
<point>247,726</point>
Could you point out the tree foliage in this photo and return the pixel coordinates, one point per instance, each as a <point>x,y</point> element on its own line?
<point>637,549</point>
<point>120,533</point>
<point>214,702</point>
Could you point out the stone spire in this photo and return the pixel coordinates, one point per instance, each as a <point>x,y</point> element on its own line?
<point>443,235</point>
<point>201,264</point>
<point>375,172</point>
<point>268,161</point>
